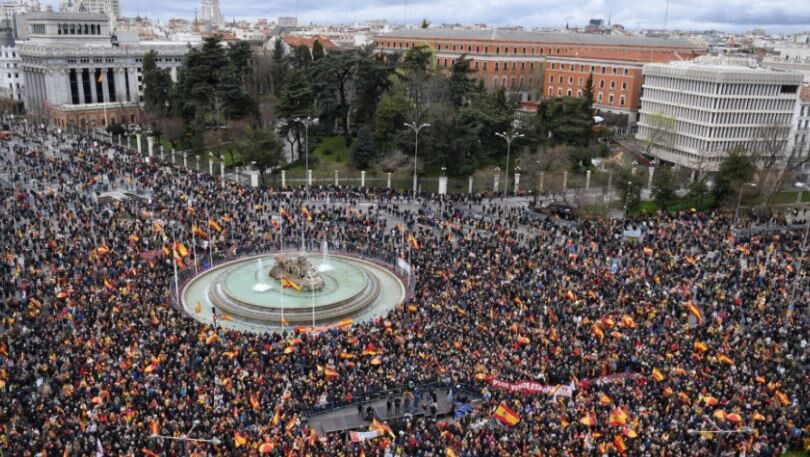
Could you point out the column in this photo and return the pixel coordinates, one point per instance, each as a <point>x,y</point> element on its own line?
<point>565,181</point>
<point>337,180</point>
<point>93,95</point>
<point>363,178</point>
<point>496,182</point>
<point>138,143</point>
<point>542,178</point>
<point>651,172</point>
<point>388,184</point>
<point>587,179</point>
<point>80,84</point>
<point>283,179</point>
<point>120,90</point>
<point>309,177</point>
<point>150,144</point>
<point>517,183</point>
<point>105,87</point>
<point>469,185</point>
<point>161,153</point>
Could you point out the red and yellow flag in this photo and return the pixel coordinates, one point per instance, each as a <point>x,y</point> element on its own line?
<point>306,213</point>
<point>413,242</point>
<point>197,231</point>
<point>657,375</point>
<point>214,225</point>
<point>239,440</point>
<point>617,417</point>
<point>506,416</point>
<point>287,283</point>
<point>695,311</point>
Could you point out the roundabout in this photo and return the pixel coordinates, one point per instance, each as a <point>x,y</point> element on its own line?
<point>249,294</point>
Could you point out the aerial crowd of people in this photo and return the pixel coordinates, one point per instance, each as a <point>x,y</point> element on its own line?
<point>691,340</point>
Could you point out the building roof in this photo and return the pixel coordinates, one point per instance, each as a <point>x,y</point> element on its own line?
<point>295,41</point>
<point>804,93</point>
<point>537,37</point>
<point>723,69</point>
<point>54,15</point>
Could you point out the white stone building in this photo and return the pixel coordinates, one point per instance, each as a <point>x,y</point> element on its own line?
<point>210,12</point>
<point>800,134</point>
<point>78,74</point>
<point>12,84</point>
<point>694,112</point>
<point>110,7</point>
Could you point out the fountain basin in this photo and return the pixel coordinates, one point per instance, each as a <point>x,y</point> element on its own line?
<point>353,288</point>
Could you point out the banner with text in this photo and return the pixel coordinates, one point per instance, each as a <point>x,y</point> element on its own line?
<point>531,387</point>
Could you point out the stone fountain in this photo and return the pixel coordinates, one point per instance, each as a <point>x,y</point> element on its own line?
<point>297,270</point>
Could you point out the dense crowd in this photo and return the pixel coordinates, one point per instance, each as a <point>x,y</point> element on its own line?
<point>695,322</point>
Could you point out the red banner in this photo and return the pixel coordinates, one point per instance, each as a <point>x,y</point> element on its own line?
<point>535,388</point>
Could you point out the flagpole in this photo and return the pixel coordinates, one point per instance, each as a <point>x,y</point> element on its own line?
<point>174,265</point>
<point>194,252</point>
<point>280,207</point>
<point>210,247</point>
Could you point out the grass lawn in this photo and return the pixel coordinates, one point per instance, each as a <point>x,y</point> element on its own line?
<point>331,154</point>
<point>788,198</point>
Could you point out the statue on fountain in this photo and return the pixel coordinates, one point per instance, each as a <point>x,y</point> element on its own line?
<point>298,270</point>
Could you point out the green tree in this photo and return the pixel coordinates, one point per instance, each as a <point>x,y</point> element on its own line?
<point>262,146</point>
<point>561,120</point>
<point>425,23</point>
<point>391,113</point>
<point>629,187</point>
<point>363,151</point>
<point>334,75</point>
<point>278,68</point>
<point>317,50</point>
<point>587,97</point>
<point>736,170</point>
<point>663,189</point>
<point>157,85</point>
<point>461,83</point>
<point>372,79</point>
<point>297,100</point>
<point>302,57</point>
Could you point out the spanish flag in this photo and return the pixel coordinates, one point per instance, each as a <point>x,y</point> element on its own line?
<point>276,417</point>
<point>506,416</point>
<point>265,448</point>
<point>701,346</point>
<point>657,375</point>
<point>617,417</point>
<point>306,213</point>
<point>604,400</point>
<point>134,238</point>
<point>283,213</point>
<point>648,251</point>
<point>196,230</point>
<point>597,330</point>
<point>239,440</point>
<point>618,440</point>
<point>103,249</point>
<point>291,423</point>
<point>570,295</point>
<point>588,420</point>
<point>413,242</point>
<point>154,428</point>
<point>254,402</point>
<point>693,310</point>
<point>178,246</point>
<point>108,285</point>
<point>783,399</point>
<point>330,373</point>
<point>286,283</point>
<point>451,452</point>
<point>722,358</point>
<point>381,427</point>
<point>214,225</point>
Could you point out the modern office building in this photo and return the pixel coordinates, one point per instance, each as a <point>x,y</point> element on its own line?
<point>800,134</point>
<point>541,64</point>
<point>694,112</point>
<point>78,74</point>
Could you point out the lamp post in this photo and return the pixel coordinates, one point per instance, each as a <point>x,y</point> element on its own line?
<point>739,200</point>
<point>796,281</point>
<point>222,170</point>
<point>509,137</point>
<point>416,129</point>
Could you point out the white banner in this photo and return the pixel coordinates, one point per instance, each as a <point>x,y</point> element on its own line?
<point>401,263</point>
<point>357,437</point>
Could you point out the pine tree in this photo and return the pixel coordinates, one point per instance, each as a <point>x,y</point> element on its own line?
<point>363,150</point>
<point>317,50</point>
<point>587,102</point>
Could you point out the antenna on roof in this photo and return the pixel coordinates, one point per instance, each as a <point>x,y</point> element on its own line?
<point>666,15</point>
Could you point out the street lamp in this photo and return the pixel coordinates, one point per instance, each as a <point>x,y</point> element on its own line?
<point>802,186</point>
<point>509,137</point>
<point>739,200</point>
<point>211,163</point>
<point>416,129</point>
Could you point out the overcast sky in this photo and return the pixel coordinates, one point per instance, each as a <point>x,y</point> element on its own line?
<point>731,15</point>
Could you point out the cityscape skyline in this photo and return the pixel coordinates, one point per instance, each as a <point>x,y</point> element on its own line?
<point>778,16</point>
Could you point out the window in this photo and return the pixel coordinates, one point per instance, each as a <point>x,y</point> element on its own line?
<point>561,79</point>
<point>624,85</point>
<point>551,79</point>
<point>625,72</point>
<point>601,83</point>
<point>559,92</point>
<point>568,92</point>
<point>579,93</point>
<point>496,66</point>
<point>614,70</point>
<point>603,70</point>
<point>478,49</point>
<point>579,82</point>
<point>610,99</point>
<point>612,85</point>
<point>497,50</point>
<point>524,51</point>
<point>553,66</point>
<point>514,66</point>
<point>621,100</point>
<point>570,80</point>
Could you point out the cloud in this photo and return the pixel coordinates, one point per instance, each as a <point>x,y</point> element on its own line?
<point>774,15</point>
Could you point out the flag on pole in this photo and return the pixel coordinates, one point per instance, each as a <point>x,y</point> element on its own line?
<point>214,225</point>
<point>506,416</point>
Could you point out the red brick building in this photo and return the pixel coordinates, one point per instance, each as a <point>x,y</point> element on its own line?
<point>541,64</point>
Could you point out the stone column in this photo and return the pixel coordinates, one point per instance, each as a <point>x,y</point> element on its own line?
<point>150,143</point>
<point>542,177</point>
<point>309,177</point>
<point>496,182</point>
<point>337,179</point>
<point>185,159</point>
<point>161,153</point>
<point>80,80</point>
<point>93,94</point>
<point>565,181</point>
<point>587,179</point>
<point>650,173</point>
<point>138,143</point>
<point>210,165</point>
<point>469,184</point>
<point>173,158</point>
<point>389,180</point>
<point>105,87</point>
<point>283,178</point>
<point>363,178</point>
<point>517,183</point>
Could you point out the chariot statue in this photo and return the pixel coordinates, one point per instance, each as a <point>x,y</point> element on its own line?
<point>297,270</point>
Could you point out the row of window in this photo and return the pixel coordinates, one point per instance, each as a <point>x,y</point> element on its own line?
<point>590,68</point>
<point>600,97</point>
<point>497,65</point>
<point>600,83</point>
<point>72,29</point>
